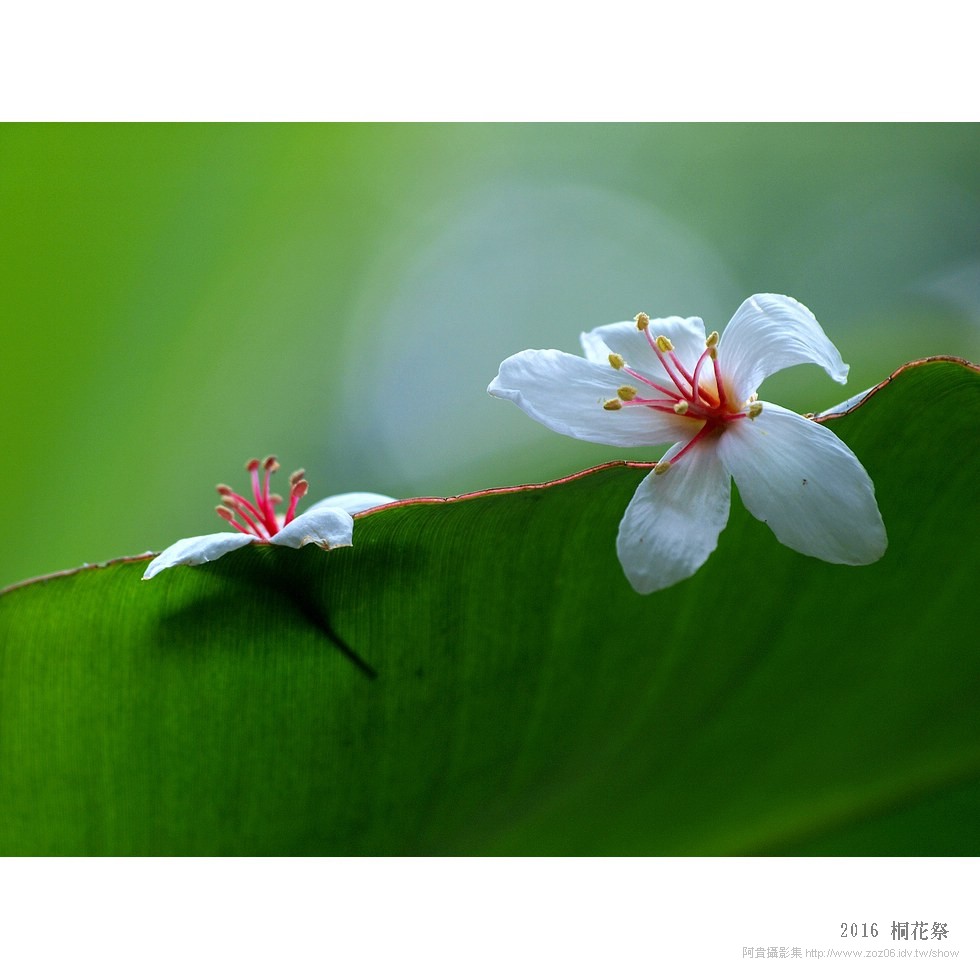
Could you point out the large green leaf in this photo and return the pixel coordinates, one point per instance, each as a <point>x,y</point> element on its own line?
<point>475,676</point>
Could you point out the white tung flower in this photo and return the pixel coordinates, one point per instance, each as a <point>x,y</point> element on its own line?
<point>652,382</point>
<point>328,524</point>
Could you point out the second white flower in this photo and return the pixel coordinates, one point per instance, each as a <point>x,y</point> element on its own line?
<point>652,382</point>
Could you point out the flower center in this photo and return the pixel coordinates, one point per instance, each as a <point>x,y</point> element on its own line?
<point>697,392</point>
<point>258,516</point>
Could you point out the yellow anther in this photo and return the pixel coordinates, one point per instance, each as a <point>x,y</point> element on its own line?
<point>642,321</point>
<point>681,407</point>
<point>664,344</point>
<point>612,405</point>
<point>713,353</point>
<point>616,361</point>
<point>755,410</point>
<point>662,467</point>
<point>627,393</point>
<point>712,340</point>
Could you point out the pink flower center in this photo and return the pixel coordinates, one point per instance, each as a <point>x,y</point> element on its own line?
<point>258,516</point>
<point>698,392</point>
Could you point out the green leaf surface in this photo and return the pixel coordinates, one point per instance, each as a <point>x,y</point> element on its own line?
<point>475,676</point>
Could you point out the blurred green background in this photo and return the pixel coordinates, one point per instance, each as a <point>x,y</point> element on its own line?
<point>178,298</point>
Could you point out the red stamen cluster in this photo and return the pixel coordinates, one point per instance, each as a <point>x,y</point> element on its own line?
<point>691,397</point>
<point>258,517</point>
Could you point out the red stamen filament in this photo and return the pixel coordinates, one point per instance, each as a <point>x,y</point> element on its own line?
<point>240,505</point>
<point>705,430</point>
<point>700,394</point>
<point>659,405</point>
<point>722,397</point>
<point>226,514</point>
<point>270,465</point>
<point>253,467</point>
<point>691,399</point>
<point>299,489</point>
<point>258,518</point>
<point>668,366</point>
<point>652,384</point>
<point>683,370</point>
<point>255,527</point>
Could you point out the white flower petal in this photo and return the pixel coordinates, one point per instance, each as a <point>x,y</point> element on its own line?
<point>768,333</point>
<point>196,551</point>
<point>847,404</point>
<point>566,393</point>
<point>353,502</point>
<point>328,527</point>
<point>672,523</point>
<point>800,479</point>
<point>686,334</point>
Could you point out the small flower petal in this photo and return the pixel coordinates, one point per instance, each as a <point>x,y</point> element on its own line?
<point>672,523</point>
<point>566,393</point>
<point>685,333</point>
<point>768,333</point>
<point>327,527</point>
<point>353,502</point>
<point>796,476</point>
<point>197,551</point>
